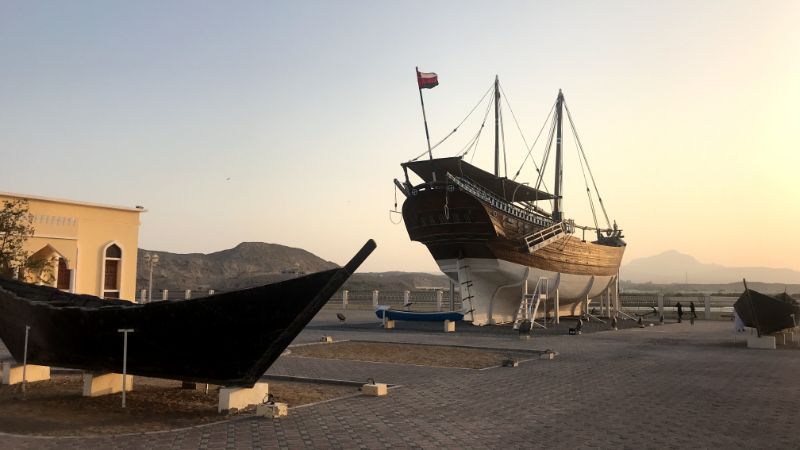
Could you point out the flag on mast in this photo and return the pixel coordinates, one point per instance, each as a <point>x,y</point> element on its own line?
<point>427,80</point>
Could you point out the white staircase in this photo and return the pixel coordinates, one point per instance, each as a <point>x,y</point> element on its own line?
<point>529,305</point>
<point>549,235</point>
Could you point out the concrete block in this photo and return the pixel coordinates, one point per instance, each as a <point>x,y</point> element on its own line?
<point>12,373</point>
<point>375,390</point>
<point>97,384</point>
<point>547,354</point>
<point>272,411</point>
<point>389,325</point>
<point>240,398</point>
<point>449,326</point>
<point>763,342</point>
<point>327,339</point>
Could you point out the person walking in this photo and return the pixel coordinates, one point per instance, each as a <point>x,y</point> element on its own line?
<point>693,314</point>
<point>679,307</point>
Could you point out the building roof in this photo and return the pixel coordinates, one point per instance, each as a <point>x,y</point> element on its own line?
<point>139,209</point>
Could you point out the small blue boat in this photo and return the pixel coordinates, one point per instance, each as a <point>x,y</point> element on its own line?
<point>419,316</point>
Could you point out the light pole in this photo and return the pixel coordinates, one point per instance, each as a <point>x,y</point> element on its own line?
<point>150,260</point>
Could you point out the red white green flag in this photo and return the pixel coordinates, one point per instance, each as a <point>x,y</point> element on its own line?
<point>427,80</point>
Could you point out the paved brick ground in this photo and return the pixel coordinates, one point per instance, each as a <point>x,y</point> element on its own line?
<point>673,386</point>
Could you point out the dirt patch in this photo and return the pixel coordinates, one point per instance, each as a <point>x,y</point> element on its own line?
<point>56,407</point>
<point>423,355</point>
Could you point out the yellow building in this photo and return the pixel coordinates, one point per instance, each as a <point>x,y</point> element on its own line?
<point>92,247</point>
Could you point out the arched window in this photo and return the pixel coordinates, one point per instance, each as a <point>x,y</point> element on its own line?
<point>64,278</point>
<point>112,268</point>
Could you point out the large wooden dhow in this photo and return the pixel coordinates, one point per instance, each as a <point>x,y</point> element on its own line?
<point>490,235</point>
<point>229,339</point>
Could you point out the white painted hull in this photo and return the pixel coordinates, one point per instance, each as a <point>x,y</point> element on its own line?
<point>496,287</point>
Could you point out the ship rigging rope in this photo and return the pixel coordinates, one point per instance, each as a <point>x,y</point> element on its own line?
<point>546,155</point>
<point>395,211</point>
<point>588,191</point>
<point>525,141</point>
<point>503,136</point>
<point>582,153</point>
<point>473,145</point>
<point>459,125</point>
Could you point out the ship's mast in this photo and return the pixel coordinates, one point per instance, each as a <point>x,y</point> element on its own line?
<point>496,126</point>
<point>557,212</point>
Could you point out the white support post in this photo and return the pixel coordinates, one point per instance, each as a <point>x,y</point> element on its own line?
<point>603,304</point>
<point>187,295</point>
<point>439,297</point>
<point>345,298</point>
<point>375,296</point>
<point>525,298</point>
<point>557,308</point>
<point>25,359</point>
<point>124,332</point>
<point>616,293</point>
<point>707,306</point>
<point>143,296</point>
<point>586,304</point>
<point>164,294</point>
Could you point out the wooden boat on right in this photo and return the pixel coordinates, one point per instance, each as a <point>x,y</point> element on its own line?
<point>765,313</point>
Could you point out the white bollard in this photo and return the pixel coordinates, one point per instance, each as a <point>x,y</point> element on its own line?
<point>210,292</point>
<point>345,298</point>
<point>143,296</point>
<point>187,295</point>
<point>375,295</point>
<point>439,297</point>
<point>707,306</point>
<point>165,294</point>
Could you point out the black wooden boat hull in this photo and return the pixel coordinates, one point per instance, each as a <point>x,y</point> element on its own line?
<point>229,339</point>
<point>766,313</point>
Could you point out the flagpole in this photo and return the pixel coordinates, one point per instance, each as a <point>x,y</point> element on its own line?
<point>425,119</point>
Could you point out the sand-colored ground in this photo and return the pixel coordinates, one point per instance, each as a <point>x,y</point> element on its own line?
<point>424,355</point>
<point>56,407</point>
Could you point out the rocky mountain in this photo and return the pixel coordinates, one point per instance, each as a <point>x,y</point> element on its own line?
<point>676,267</point>
<point>255,263</point>
<point>247,264</point>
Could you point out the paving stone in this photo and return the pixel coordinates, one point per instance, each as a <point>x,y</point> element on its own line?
<point>671,386</point>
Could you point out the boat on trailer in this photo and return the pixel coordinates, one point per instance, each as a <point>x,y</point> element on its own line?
<point>385,312</point>
<point>229,339</point>
<point>491,235</point>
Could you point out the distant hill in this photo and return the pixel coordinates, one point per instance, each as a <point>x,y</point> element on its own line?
<point>247,264</point>
<point>676,267</point>
<point>708,288</point>
<point>256,263</point>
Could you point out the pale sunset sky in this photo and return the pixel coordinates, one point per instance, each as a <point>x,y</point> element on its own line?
<point>286,122</point>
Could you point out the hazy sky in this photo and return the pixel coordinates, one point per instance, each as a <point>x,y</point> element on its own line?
<point>687,111</point>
